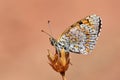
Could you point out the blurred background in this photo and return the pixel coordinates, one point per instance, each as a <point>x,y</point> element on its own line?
<point>23,47</point>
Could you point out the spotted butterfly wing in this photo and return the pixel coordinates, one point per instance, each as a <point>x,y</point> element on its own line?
<point>81,36</point>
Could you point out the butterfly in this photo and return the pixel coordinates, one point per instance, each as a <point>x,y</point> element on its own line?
<point>80,37</point>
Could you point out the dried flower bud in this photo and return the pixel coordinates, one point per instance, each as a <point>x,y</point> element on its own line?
<point>59,61</point>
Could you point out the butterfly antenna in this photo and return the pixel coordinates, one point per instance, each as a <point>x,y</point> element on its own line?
<point>46,33</point>
<point>49,27</point>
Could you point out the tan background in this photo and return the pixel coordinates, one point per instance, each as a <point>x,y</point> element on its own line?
<point>23,48</point>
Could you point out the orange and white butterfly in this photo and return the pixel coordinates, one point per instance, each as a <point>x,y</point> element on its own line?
<point>80,37</point>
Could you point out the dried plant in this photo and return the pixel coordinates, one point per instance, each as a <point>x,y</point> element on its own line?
<point>59,62</point>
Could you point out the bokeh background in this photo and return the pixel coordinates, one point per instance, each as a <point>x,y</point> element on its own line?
<point>23,47</point>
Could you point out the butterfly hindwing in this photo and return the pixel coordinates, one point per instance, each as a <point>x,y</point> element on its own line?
<point>81,37</point>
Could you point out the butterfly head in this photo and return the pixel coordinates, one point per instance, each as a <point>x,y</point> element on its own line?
<point>53,41</point>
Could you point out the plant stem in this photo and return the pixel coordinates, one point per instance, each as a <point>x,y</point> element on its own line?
<point>63,76</point>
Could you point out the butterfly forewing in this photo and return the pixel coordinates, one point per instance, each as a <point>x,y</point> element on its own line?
<point>81,37</point>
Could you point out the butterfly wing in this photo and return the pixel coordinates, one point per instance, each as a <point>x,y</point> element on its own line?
<point>81,37</point>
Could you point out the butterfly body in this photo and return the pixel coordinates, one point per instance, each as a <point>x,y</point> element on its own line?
<point>80,37</point>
